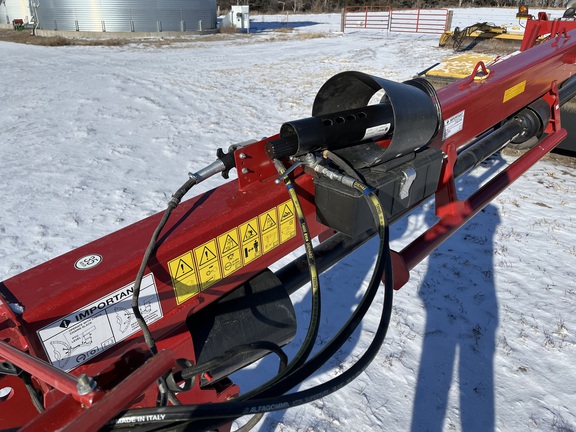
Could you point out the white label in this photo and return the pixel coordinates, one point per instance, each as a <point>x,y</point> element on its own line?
<point>454,124</point>
<point>376,131</point>
<point>89,331</point>
<point>88,262</point>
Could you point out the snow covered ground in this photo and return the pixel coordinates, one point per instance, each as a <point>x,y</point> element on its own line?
<point>482,337</point>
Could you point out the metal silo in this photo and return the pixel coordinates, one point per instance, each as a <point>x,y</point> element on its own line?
<point>14,9</point>
<point>126,15</point>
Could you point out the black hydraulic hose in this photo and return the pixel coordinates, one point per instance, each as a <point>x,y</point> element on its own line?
<point>220,165</point>
<point>165,392</point>
<point>178,414</point>
<point>239,408</point>
<point>34,396</point>
<point>350,326</point>
<point>289,379</point>
<point>303,353</point>
<point>174,201</point>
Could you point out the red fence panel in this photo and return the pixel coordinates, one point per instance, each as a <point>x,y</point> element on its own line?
<point>434,21</point>
<point>366,17</point>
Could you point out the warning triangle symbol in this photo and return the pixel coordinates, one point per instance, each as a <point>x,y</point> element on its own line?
<point>183,269</point>
<point>269,223</point>
<point>250,233</point>
<point>286,213</point>
<point>65,323</point>
<point>207,256</point>
<point>229,244</point>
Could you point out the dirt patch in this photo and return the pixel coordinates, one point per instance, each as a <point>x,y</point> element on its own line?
<point>26,37</point>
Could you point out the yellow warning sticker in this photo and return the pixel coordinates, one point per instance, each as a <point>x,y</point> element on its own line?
<point>229,245</point>
<point>208,264</point>
<point>270,236</point>
<point>287,221</point>
<point>218,258</point>
<point>514,91</point>
<point>251,244</point>
<point>184,277</point>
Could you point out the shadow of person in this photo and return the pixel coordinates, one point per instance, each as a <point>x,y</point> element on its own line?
<point>459,295</point>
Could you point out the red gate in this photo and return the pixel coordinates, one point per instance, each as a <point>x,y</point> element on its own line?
<point>433,21</point>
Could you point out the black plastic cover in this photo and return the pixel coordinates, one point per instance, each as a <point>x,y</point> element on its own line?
<point>399,189</point>
<point>259,310</point>
<point>415,109</point>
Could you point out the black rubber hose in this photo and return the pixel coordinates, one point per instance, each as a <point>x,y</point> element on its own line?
<point>239,408</point>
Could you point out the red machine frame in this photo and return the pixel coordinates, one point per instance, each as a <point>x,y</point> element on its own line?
<point>126,373</point>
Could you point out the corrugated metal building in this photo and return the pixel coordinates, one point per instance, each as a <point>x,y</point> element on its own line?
<point>14,9</point>
<point>126,15</point>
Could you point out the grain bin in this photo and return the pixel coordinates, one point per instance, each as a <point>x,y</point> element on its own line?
<point>127,15</point>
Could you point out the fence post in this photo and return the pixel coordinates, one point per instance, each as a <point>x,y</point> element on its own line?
<point>343,20</point>
<point>449,16</point>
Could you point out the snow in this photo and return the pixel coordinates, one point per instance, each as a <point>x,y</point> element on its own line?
<point>482,337</point>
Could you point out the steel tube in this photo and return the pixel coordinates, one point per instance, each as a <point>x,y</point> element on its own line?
<point>60,380</point>
<point>487,146</point>
<point>121,396</point>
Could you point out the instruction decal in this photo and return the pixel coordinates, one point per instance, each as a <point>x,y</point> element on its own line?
<point>454,124</point>
<point>205,265</point>
<point>76,338</point>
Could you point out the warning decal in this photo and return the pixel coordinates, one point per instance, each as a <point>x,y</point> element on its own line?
<point>270,236</point>
<point>205,265</point>
<point>85,333</point>
<point>208,265</point>
<point>287,221</point>
<point>251,245</point>
<point>184,277</point>
<point>229,244</point>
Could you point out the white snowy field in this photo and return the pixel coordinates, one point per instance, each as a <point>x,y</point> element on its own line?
<point>482,338</point>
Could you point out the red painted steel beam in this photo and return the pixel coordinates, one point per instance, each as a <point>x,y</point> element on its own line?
<point>123,394</point>
<point>419,249</point>
<point>52,376</point>
<point>511,85</point>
